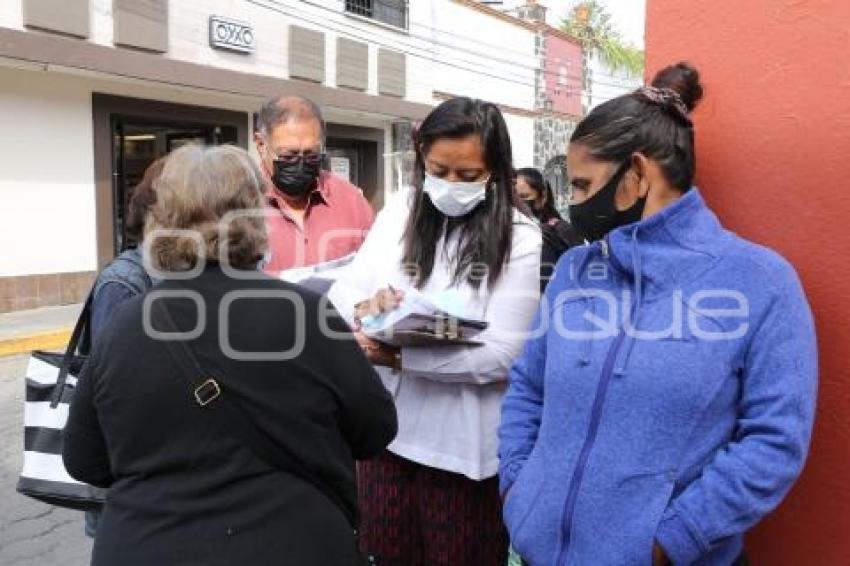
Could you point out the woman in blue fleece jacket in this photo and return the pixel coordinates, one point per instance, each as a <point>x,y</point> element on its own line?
<point>664,403</point>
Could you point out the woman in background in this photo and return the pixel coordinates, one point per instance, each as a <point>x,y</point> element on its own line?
<point>536,193</point>
<point>124,277</point>
<point>558,235</point>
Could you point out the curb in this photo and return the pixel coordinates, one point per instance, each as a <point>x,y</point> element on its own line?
<point>49,340</point>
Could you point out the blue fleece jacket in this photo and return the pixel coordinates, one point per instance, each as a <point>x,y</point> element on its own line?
<point>667,394</point>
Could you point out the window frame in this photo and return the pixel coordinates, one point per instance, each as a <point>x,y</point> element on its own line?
<point>350,10</point>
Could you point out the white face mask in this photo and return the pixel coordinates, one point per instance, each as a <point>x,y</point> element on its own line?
<point>454,198</point>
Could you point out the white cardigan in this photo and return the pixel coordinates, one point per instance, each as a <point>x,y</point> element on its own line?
<point>448,398</point>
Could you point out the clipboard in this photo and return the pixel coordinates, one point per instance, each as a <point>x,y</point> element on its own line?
<point>438,329</point>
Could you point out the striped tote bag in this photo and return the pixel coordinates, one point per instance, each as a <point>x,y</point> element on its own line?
<point>50,382</point>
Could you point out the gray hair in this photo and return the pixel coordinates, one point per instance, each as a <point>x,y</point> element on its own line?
<point>215,194</point>
<point>282,109</point>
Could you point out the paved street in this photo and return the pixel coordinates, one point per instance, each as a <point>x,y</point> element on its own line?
<point>31,533</point>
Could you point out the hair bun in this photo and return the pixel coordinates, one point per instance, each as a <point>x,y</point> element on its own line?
<point>684,79</point>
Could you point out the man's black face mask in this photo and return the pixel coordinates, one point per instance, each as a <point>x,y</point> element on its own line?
<point>296,176</point>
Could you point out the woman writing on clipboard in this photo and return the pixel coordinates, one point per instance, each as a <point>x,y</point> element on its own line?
<point>456,237</point>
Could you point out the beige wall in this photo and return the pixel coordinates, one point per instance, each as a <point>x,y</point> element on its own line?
<point>47,177</point>
<point>47,216</point>
<point>11,14</point>
<point>47,192</point>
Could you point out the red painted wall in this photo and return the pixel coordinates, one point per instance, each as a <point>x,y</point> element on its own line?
<point>564,74</point>
<point>773,146</point>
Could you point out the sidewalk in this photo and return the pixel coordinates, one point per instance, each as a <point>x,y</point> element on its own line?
<point>47,328</point>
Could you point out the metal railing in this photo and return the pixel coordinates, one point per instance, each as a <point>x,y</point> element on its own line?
<point>390,12</point>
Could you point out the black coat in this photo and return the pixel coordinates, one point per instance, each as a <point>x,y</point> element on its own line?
<point>558,237</point>
<point>184,492</point>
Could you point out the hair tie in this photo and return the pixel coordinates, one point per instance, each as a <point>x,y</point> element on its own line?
<point>667,98</point>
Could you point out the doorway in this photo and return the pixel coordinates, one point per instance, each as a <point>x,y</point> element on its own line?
<point>354,153</point>
<point>355,161</point>
<point>129,134</point>
<point>138,143</point>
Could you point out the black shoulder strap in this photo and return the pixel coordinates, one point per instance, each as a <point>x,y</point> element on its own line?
<point>213,399</point>
<point>82,326</point>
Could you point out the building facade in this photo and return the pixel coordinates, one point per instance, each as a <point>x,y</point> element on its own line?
<point>465,48</point>
<point>96,89</point>
<point>572,82</point>
<point>560,107</point>
<point>603,83</point>
<point>560,87</point>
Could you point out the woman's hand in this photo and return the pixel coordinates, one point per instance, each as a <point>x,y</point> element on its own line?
<point>659,557</point>
<point>383,301</point>
<point>378,353</point>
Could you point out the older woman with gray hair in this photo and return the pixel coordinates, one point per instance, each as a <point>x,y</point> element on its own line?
<point>224,409</point>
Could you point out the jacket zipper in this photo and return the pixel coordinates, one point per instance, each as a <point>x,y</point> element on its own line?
<point>590,439</point>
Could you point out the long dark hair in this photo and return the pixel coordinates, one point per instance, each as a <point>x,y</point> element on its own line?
<point>535,180</point>
<point>485,233</point>
<point>651,120</point>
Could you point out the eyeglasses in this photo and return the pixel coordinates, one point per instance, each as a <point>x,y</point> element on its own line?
<point>309,158</point>
<point>312,159</point>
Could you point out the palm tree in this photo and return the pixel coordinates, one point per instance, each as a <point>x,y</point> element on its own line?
<point>590,24</point>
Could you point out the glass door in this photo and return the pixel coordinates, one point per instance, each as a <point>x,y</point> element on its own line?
<point>136,144</point>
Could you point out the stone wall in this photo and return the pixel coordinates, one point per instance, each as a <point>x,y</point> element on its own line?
<point>551,137</point>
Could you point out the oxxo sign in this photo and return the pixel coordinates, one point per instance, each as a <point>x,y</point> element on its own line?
<point>231,35</point>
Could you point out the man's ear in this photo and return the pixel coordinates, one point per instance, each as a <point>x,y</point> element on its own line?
<point>641,168</point>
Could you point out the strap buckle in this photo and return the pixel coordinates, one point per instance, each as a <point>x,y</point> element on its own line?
<point>207,392</point>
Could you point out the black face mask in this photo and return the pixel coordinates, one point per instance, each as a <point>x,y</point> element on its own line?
<point>598,215</point>
<point>295,179</point>
<point>532,206</point>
